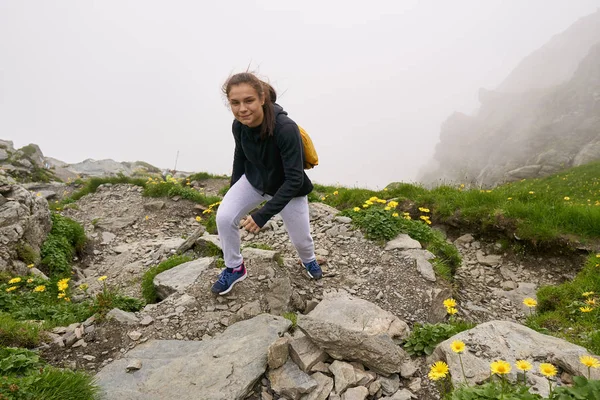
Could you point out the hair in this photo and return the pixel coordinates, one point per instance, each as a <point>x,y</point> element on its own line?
<point>265,91</point>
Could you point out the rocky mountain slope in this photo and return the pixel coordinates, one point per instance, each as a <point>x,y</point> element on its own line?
<point>528,133</point>
<point>170,346</point>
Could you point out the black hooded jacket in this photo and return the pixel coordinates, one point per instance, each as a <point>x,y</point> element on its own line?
<point>274,166</point>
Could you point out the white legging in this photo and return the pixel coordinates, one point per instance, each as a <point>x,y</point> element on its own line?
<point>241,198</point>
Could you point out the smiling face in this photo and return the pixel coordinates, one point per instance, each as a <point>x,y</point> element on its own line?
<point>246,105</point>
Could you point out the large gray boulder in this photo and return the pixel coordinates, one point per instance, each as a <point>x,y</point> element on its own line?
<point>509,341</point>
<point>24,225</point>
<point>225,367</point>
<point>179,278</point>
<point>353,329</point>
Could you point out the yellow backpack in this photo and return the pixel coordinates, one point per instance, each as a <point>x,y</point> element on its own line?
<point>311,159</point>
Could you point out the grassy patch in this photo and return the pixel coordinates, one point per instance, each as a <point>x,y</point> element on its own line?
<point>201,176</point>
<point>26,376</point>
<point>293,317</point>
<point>425,337</point>
<point>148,290</point>
<point>66,239</point>
<point>27,254</point>
<point>565,311</point>
<point>18,333</point>
<point>261,246</point>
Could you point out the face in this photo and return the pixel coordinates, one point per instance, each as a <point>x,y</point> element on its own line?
<point>246,105</point>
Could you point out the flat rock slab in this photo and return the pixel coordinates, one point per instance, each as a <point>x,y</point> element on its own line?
<point>402,241</point>
<point>181,277</point>
<point>225,367</point>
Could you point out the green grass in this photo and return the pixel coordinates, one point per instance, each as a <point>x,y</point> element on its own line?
<point>65,239</point>
<point>15,333</point>
<point>558,312</point>
<point>25,376</point>
<point>260,246</point>
<point>201,176</point>
<point>148,290</point>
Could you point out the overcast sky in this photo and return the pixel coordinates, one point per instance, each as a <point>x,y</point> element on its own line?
<point>370,81</point>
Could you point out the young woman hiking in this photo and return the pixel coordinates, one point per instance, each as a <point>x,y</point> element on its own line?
<point>268,164</point>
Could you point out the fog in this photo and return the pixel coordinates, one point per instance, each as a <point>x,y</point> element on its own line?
<point>370,81</point>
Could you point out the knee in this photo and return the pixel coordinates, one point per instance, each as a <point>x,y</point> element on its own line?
<point>225,218</point>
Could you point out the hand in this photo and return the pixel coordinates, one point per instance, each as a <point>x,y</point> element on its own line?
<point>249,225</point>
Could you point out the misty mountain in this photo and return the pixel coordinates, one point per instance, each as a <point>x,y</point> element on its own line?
<point>532,133</point>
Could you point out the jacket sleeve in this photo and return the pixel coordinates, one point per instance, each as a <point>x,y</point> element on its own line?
<point>289,143</point>
<point>239,158</point>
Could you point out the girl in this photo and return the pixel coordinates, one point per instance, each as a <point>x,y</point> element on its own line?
<point>267,165</point>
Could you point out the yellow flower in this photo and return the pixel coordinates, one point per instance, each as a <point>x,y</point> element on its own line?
<point>548,370</point>
<point>388,208</point>
<point>385,189</point>
<point>423,209</point>
<point>335,193</point>
<point>10,289</point>
<point>356,209</point>
<point>451,310</point>
<point>370,202</point>
<point>407,217</point>
<point>585,309</point>
<point>147,218</point>
<point>462,185</point>
<point>14,280</point>
<point>438,370</point>
<point>198,218</point>
<point>67,299</point>
<point>61,295</point>
<point>590,302</point>
<point>424,217</point>
<point>38,194</point>
<point>29,280</point>
<point>428,222</point>
<point>587,294</point>
<point>449,302</point>
<point>405,213</point>
<point>457,346</point>
<point>208,211</point>
<point>589,361</point>
<point>523,365</point>
<point>567,198</point>
<point>381,201</point>
<point>84,286</point>
<point>64,281</point>
<point>323,198</point>
<point>102,278</point>
<point>394,214</point>
<point>488,191</point>
<point>510,198</point>
<point>393,204</point>
<point>365,206</point>
<point>500,367</point>
<point>529,302</point>
<point>531,192</point>
<point>30,265</point>
<point>374,198</point>
<point>40,288</point>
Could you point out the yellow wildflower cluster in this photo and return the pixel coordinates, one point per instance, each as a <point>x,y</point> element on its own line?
<point>63,285</point>
<point>210,208</point>
<point>450,305</point>
<point>590,302</point>
<point>425,218</point>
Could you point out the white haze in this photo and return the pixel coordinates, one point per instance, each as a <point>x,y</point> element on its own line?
<point>370,81</point>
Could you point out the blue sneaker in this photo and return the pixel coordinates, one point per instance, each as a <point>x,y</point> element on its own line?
<point>313,269</point>
<point>228,278</point>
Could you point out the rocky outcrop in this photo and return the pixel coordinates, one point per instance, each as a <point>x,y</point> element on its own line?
<point>531,132</point>
<point>24,224</point>
<point>510,342</point>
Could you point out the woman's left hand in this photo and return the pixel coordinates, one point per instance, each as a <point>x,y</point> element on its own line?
<point>249,225</point>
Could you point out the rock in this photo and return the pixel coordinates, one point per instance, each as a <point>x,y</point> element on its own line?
<point>402,241</point>
<point>517,295</point>
<point>206,237</point>
<point>403,394</point>
<point>107,237</point>
<point>424,267</point>
<point>134,335</point>
<point>147,320</point>
<point>123,317</point>
<point>408,369</point>
<point>249,310</point>
<point>509,285</point>
<point>190,241</point>
<point>116,224</point>
<point>224,367</point>
<point>278,353</point>
<point>343,220</point>
<point>489,260</point>
<point>467,238</point>
<point>357,393</point>
<point>344,375</point>
<point>349,328</point>
<point>290,381</point>
<point>154,205</point>
<point>305,353</point>
<point>181,277</point>
<point>279,295</point>
<point>510,341</point>
<point>134,365</point>
<point>374,387</point>
<point>324,387</point>
<point>390,385</point>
